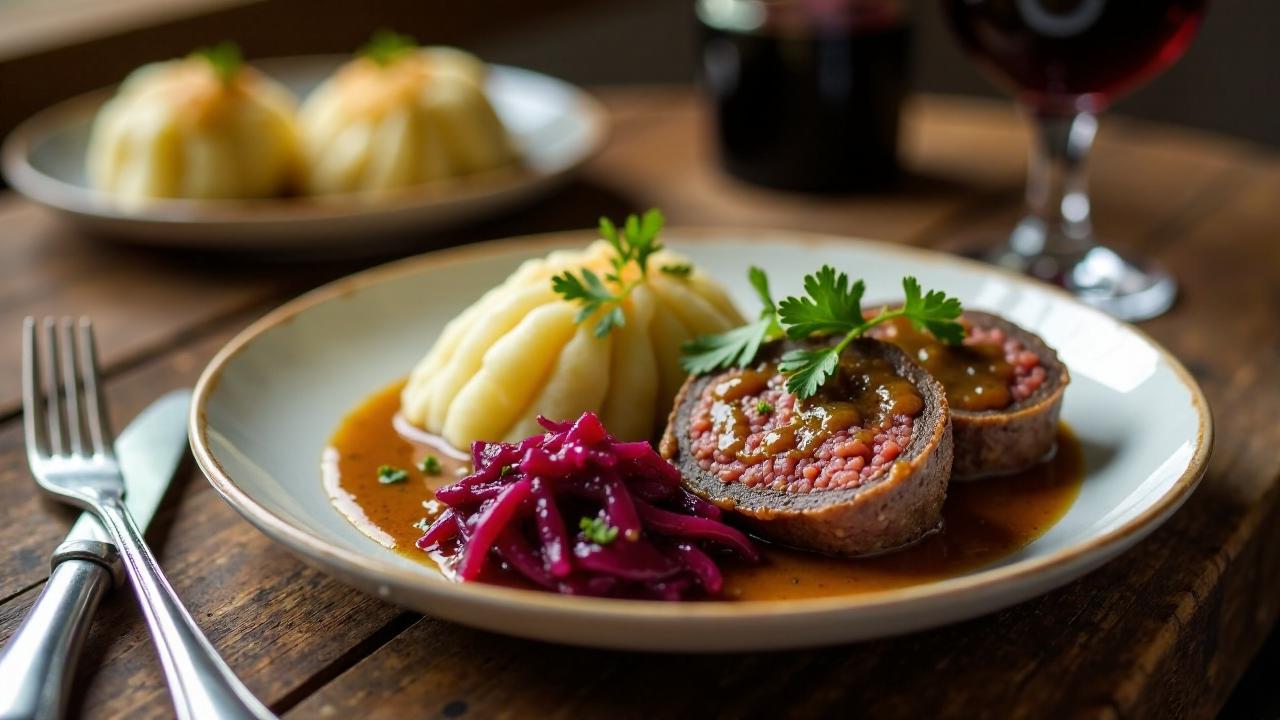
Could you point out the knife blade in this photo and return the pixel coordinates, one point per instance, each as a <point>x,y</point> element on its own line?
<point>39,660</point>
<point>149,452</point>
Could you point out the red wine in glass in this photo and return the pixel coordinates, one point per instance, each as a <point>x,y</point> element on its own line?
<point>1066,60</point>
<point>1079,51</point>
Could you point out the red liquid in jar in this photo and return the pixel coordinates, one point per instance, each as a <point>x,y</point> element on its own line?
<point>807,97</point>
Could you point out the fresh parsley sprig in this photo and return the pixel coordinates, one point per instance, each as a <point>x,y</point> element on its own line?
<point>632,244</point>
<point>224,58</point>
<point>831,305</point>
<point>736,347</point>
<point>387,46</point>
<point>935,312</point>
<point>591,294</point>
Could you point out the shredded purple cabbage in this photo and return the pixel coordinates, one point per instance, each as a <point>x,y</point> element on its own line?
<point>521,510</point>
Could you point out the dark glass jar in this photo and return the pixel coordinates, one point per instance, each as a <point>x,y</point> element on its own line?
<point>806,93</point>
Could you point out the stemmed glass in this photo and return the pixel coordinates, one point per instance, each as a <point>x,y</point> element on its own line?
<point>1065,61</point>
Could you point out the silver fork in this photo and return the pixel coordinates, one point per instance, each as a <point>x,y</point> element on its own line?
<point>69,448</point>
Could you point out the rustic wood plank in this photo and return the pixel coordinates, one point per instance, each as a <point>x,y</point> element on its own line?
<point>1162,632</point>
<point>142,301</point>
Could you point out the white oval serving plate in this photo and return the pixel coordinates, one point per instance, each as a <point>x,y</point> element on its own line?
<point>556,126</point>
<point>269,401</point>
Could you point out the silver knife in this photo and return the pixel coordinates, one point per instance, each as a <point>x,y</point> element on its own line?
<point>39,661</point>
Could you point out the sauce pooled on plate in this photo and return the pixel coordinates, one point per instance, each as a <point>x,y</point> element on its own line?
<point>983,520</point>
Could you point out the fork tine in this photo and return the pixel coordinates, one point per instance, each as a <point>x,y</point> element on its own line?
<point>33,407</point>
<point>72,385</point>
<point>99,423</point>
<point>53,391</point>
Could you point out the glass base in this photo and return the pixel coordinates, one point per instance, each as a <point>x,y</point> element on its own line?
<point>1126,289</point>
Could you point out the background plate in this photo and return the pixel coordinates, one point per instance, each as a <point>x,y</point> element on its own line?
<point>269,401</point>
<point>557,127</point>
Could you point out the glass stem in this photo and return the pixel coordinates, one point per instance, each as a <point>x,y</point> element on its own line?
<point>1058,221</point>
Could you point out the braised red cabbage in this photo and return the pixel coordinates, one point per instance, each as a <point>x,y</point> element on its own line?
<point>578,512</point>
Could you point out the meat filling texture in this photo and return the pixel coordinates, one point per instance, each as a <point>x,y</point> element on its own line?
<point>746,428</point>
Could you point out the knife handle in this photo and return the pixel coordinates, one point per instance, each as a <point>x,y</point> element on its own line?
<point>38,663</point>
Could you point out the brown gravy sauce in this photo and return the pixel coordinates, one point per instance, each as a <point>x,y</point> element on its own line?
<point>977,376</point>
<point>864,392</point>
<point>984,520</point>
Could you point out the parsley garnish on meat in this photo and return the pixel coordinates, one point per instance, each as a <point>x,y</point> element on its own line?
<point>736,347</point>
<point>430,465</point>
<point>831,305</point>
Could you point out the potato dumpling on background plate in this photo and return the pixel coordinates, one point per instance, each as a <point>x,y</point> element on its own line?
<point>399,115</point>
<point>206,126</point>
<point>552,128</point>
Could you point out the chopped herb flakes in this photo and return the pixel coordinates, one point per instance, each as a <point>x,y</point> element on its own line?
<point>597,530</point>
<point>388,475</point>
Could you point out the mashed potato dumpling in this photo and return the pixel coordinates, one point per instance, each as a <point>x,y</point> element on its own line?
<point>520,351</point>
<point>200,127</point>
<point>399,118</point>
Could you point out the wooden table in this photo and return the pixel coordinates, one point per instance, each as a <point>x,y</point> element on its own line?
<point>1164,631</point>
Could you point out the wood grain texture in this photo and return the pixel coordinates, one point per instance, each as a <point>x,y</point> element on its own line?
<point>260,607</point>
<point>1162,632</point>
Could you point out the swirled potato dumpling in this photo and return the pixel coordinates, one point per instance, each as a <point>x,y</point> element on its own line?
<point>201,127</point>
<point>399,115</point>
<point>522,350</point>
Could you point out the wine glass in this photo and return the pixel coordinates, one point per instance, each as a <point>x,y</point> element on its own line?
<point>1065,61</point>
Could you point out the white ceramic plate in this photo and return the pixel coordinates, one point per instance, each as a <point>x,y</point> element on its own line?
<point>557,127</point>
<point>269,401</point>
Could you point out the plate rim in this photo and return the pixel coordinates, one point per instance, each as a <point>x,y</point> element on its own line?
<point>58,194</point>
<point>959,588</point>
